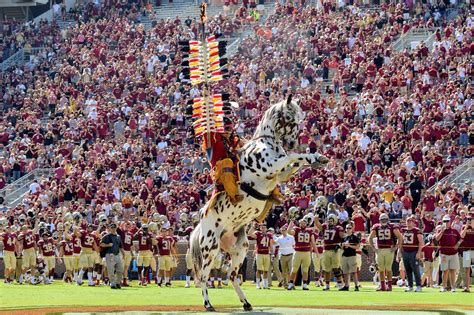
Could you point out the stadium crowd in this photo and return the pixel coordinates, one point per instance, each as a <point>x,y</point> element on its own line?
<point>104,107</point>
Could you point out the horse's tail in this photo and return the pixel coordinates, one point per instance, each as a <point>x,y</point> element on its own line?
<point>196,251</point>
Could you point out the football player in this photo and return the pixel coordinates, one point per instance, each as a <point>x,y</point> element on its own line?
<point>47,249</point>
<point>412,253</point>
<point>388,239</point>
<point>153,228</point>
<point>99,262</point>
<point>331,260</point>
<point>274,263</point>
<point>304,242</point>
<point>174,251</point>
<point>316,257</point>
<point>10,249</point>
<point>126,234</point>
<point>27,244</point>
<point>66,254</point>
<point>145,255</point>
<point>164,242</point>
<point>264,241</point>
<point>216,272</point>
<point>189,261</point>
<point>77,248</point>
<point>87,256</point>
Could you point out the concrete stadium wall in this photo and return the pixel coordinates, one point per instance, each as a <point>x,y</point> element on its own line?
<point>250,274</point>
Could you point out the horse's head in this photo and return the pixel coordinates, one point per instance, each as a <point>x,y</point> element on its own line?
<point>287,115</point>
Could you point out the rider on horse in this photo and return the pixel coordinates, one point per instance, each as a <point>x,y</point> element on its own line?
<point>224,160</point>
<point>225,166</point>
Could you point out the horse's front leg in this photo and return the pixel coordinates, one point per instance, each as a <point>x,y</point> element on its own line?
<point>285,166</point>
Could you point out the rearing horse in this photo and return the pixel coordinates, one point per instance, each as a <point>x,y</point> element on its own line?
<point>264,163</point>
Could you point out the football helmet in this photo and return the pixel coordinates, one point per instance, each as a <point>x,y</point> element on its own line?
<point>309,218</point>
<point>31,213</point>
<point>183,217</point>
<point>76,216</point>
<point>373,268</point>
<point>152,226</point>
<point>163,218</point>
<point>60,227</point>
<point>293,212</point>
<point>383,218</point>
<point>68,217</point>
<point>3,222</point>
<point>321,202</point>
<point>145,226</point>
<point>155,217</point>
<point>56,235</point>
<point>22,218</point>
<point>102,218</point>
<point>196,218</point>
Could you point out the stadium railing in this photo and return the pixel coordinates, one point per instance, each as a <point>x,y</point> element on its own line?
<point>13,193</point>
<point>459,176</point>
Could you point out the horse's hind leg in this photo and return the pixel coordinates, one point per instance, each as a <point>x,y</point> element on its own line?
<point>209,249</point>
<point>237,255</point>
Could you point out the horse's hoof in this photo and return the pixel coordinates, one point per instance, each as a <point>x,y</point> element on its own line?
<point>248,307</point>
<point>210,309</point>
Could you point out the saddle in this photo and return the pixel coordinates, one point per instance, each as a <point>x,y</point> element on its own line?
<point>275,198</point>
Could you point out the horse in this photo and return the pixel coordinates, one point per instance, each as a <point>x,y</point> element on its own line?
<point>264,163</point>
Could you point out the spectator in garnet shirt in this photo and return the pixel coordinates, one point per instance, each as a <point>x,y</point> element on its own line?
<point>429,202</point>
<point>467,249</point>
<point>428,222</point>
<point>449,240</point>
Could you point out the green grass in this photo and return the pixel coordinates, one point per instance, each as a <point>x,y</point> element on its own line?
<point>60,294</point>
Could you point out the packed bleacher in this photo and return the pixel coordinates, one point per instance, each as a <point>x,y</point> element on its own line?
<point>104,106</point>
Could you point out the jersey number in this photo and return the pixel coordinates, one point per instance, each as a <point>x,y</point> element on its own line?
<point>29,239</point>
<point>264,242</point>
<point>329,235</point>
<point>384,235</point>
<point>143,241</point>
<point>408,238</point>
<point>10,241</point>
<point>128,239</point>
<point>89,241</point>
<point>303,238</point>
<point>68,247</point>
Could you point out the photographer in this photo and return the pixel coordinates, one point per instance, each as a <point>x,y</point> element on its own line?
<point>449,240</point>
<point>112,245</point>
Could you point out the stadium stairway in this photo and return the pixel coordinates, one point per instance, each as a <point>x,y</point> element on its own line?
<point>14,192</point>
<point>462,174</point>
<point>413,37</point>
<point>18,13</point>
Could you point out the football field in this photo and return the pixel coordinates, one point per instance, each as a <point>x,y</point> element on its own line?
<point>60,298</point>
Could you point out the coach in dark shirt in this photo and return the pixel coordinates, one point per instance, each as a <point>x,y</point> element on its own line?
<point>416,189</point>
<point>350,245</point>
<point>111,245</point>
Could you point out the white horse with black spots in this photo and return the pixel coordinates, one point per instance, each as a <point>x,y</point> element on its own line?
<point>264,164</point>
